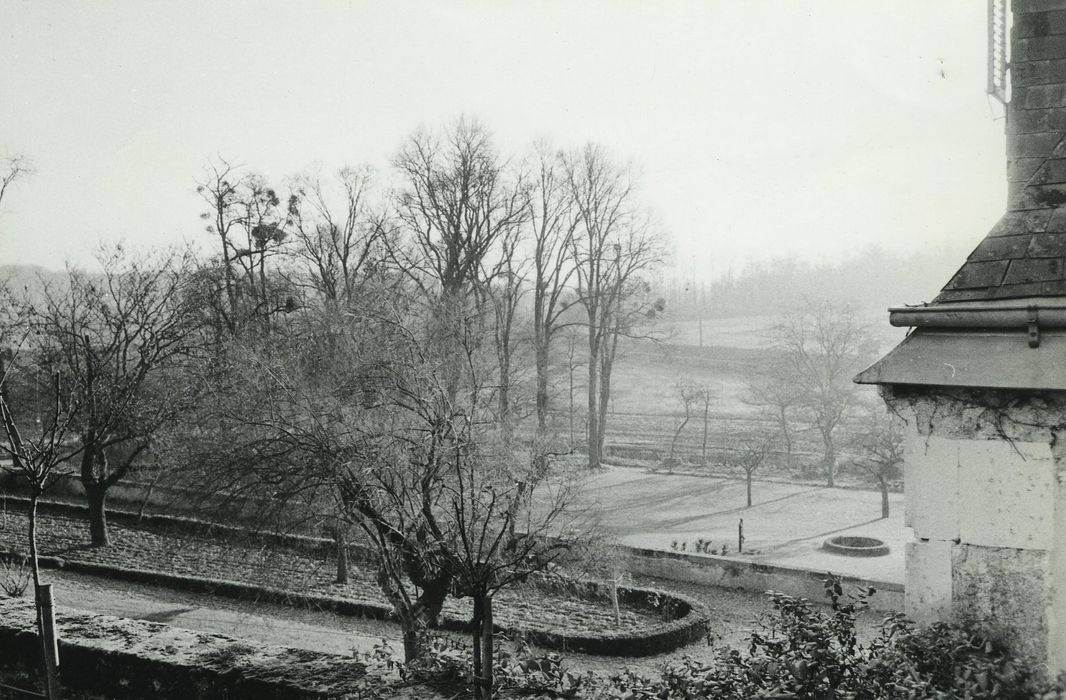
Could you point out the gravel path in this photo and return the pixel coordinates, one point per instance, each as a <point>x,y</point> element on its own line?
<point>735,614</point>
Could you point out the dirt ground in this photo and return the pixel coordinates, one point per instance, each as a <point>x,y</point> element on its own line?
<point>734,615</point>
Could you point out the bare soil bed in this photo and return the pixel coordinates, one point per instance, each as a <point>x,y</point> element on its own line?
<point>521,608</point>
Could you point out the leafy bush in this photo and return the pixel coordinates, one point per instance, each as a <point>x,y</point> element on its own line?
<point>804,652</point>
<point>801,651</point>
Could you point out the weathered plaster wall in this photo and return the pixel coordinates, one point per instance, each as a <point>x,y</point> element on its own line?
<point>986,499</point>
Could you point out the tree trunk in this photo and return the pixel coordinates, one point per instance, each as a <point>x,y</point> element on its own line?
<point>411,645</point>
<point>542,386</point>
<point>478,659</point>
<point>786,435</point>
<point>49,670</point>
<point>605,392</point>
<point>506,429</point>
<point>96,495</point>
<point>749,488</point>
<point>34,566</point>
<point>830,457</point>
<point>571,406</point>
<point>703,448</point>
<point>594,406</point>
<point>487,650</point>
<point>341,544</point>
<point>677,434</point>
<point>884,496</point>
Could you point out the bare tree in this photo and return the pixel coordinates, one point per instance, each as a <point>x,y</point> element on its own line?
<point>13,168</point>
<point>777,390</point>
<point>506,290</point>
<point>457,203</point>
<point>338,235</point>
<point>689,395</point>
<point>553,219</point>
<point>497,533</point>
<point>614,249</point>
<point>824,346</point>
<point>750,457</point>
<point>878,444</point>
<point>251,223</point>
<point>40,457</point>
<point>117,337</point>
<point>705,399</point>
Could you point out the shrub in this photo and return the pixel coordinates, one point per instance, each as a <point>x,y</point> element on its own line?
<point>15,575</point>
<point>805,652</point>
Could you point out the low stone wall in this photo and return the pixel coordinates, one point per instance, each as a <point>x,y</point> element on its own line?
<point>726,572</point>
<point>120,658</point>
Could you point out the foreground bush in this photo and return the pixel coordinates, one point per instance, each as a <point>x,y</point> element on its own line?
<point>801,651</point>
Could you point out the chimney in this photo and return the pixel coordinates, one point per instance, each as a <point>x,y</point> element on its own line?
<point>981,383</point>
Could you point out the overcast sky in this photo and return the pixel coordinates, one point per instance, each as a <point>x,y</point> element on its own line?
<point>762,128</point>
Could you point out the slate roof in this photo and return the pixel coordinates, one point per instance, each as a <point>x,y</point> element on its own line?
<point>1024,255</point>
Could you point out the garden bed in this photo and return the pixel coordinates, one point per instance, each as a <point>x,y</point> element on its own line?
<point>583,620</point>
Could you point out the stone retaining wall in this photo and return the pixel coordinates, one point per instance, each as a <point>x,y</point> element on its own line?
<point>120,659</point>
<point>724,572</point>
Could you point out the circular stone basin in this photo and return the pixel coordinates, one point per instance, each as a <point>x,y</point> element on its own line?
<point>851,546</point>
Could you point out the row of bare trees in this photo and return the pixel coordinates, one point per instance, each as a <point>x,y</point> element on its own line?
<point>353,357</point>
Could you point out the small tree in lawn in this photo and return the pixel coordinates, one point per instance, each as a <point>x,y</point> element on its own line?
<point>750,456</point>
<point>878,446</point>
<point>690,396</point>
<point>39,456</point>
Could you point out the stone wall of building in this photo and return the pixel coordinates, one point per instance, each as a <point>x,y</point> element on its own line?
<point>985,497</point>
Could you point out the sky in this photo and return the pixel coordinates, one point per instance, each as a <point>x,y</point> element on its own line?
<point>761,128</point>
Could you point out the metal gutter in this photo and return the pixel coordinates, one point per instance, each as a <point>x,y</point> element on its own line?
<point>979,316</point>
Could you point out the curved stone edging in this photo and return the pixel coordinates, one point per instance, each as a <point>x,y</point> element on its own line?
<point>691,623</point>
<point>855,546</point>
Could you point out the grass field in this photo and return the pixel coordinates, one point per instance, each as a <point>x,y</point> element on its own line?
<point>786,523</point>
<point>645,408</point>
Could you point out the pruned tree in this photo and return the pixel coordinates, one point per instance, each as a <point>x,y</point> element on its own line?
<point>823,347</point>
<point>502,521</point>
<point>877,443</point>
<point>614,249</point>
<point>118,337</point>
<point>750,456</point>
<point>39,456</point>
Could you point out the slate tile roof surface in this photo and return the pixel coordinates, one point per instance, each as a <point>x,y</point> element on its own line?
<point>1024,255</point>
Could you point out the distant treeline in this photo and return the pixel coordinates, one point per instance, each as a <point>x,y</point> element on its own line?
<point>873,277</point>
